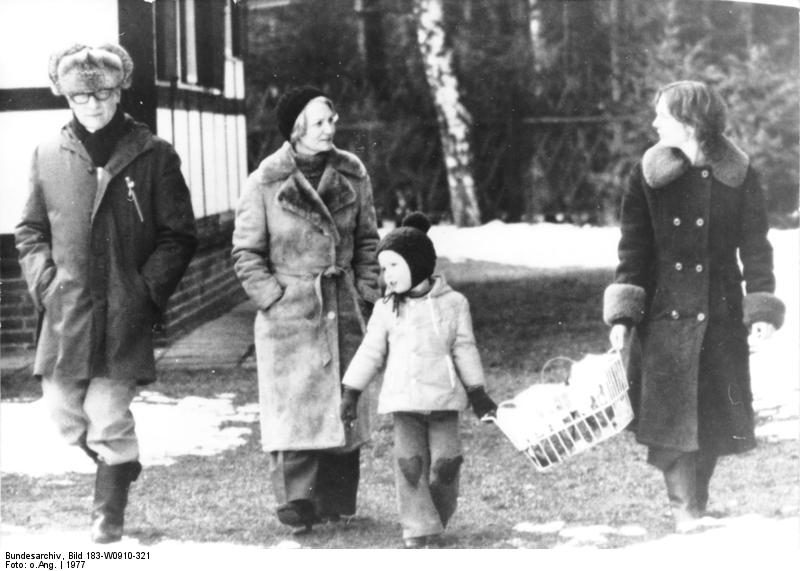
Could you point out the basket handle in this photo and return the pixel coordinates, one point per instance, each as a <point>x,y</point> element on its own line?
<point>553,360</point>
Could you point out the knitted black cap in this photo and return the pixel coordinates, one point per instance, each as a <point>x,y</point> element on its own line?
<point>411,242</point>
<point>291,104</point>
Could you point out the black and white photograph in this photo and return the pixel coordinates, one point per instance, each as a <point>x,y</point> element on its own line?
<point>294,282</point>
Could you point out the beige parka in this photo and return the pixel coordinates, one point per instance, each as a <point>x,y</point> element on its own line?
<point>428,349</point>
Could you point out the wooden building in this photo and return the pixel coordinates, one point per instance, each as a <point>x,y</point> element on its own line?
<point>188,86</point>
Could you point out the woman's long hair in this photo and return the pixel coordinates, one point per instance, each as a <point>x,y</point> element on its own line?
<point>695,104</point>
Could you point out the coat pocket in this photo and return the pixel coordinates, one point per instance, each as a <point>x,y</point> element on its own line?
<point>48,286</point>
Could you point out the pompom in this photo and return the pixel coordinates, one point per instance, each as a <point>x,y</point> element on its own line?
<point>417,220</point>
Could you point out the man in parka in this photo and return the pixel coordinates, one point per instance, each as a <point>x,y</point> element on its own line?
<point>106,234</point>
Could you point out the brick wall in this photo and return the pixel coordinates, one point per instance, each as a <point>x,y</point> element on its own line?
<point>17,314</point>
<point>208,289</point>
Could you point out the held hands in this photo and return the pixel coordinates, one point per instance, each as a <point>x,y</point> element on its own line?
<point>619,336</point>
<point>348,410</point>
<point>482,404</point>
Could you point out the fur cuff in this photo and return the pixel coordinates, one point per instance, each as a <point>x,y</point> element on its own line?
<point>623,301</point>
<point>763,306</point>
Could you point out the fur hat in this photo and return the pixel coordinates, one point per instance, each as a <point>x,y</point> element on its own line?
<point>411,242</point>
<point>291,104</point>
<point>83,69</point>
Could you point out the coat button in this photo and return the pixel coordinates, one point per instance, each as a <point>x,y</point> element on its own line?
<point>676,221</point>
<point>704,173</point>
<point>698,268</point>
<point>331,315</point>
<point>674,314</point>
<point>678,266</point>
<point>701,317</point>
<point>699,222</point>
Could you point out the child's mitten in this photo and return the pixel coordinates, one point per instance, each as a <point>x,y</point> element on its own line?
<point>348,409</point>
<point>482,404</point>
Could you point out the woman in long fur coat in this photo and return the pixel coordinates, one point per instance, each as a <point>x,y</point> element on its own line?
<point>304,249</point>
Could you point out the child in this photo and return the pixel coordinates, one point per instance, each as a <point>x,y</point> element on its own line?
<point>422,332</point>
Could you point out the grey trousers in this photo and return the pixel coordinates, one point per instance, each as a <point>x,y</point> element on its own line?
<point>95,413</point>
<point>427,450</point>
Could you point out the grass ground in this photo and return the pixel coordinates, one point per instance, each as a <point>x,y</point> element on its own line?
<point>522,318</point>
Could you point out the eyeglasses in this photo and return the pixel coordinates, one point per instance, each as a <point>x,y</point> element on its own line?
<point>99,95</point>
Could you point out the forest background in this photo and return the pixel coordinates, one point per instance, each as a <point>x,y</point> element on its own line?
<point>549,101</point>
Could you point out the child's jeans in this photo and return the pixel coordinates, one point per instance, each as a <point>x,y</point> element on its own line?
<point>427,451</point>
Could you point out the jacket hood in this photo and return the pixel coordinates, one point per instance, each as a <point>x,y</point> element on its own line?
<point>661,165</point>
<point>440,287</point>
<point>281,164</point>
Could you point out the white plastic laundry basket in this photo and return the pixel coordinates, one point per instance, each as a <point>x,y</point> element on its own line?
<point>551,422</point>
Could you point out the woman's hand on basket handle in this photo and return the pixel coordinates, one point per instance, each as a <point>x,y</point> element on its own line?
<point>760,332</point>
<point>619,336</point>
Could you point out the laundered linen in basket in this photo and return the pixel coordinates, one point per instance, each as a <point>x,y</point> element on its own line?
<point>585,392</point>
<point>537,412</point>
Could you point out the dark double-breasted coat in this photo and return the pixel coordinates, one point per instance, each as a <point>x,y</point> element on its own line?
<point>99,269</point>
<point>307,258</point>
<point>690,237</point>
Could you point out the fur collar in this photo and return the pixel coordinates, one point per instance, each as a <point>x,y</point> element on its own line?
<point>281,164</point>
<point>662,165</point>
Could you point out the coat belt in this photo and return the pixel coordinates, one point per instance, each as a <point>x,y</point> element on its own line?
<point>332,271</point>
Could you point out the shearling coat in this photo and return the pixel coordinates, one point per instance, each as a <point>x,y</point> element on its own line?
<point>685,231</point>
<point>307,258</point>
<point>98,273</point>
<point>428,349</point>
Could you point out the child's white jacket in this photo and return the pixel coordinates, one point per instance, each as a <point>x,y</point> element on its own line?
<point>428,349</point>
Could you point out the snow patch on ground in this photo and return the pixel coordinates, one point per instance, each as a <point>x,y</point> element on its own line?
<point>167,428</point>
<point>727,533</point>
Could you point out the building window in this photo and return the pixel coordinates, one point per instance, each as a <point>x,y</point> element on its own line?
<point>166,22</point>
<point>191,40</point>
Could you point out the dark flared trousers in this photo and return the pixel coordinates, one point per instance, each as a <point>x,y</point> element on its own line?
<point>329,480</point>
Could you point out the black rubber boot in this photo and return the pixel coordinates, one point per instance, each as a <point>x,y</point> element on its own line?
<point>110,498</point>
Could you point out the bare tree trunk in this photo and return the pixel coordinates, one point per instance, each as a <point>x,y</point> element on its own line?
<point>535,32</point>
<point>371,45</point>
<point>616,69</point>
<point>453,118</point>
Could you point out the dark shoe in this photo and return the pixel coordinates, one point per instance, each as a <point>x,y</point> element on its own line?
<point>110,498</point>
<point>299,514</point>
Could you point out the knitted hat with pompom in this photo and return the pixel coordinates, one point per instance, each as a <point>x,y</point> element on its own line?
<point>411,242</point>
